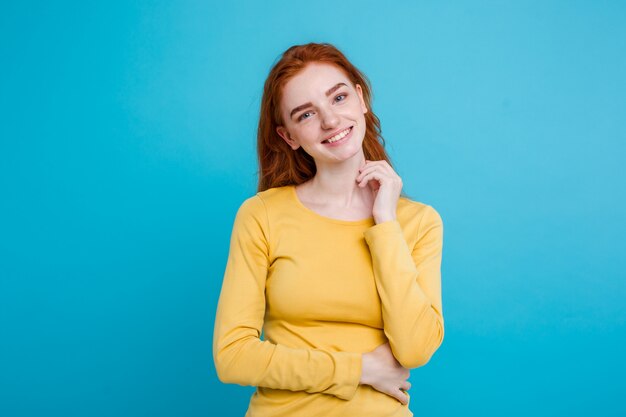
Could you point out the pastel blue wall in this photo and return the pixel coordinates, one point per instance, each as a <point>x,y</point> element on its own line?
<point>127,144</point>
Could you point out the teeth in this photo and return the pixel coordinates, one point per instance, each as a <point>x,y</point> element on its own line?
<point>339,136</point>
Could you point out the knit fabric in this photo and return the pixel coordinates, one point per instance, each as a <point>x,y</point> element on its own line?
<point>305,295</point>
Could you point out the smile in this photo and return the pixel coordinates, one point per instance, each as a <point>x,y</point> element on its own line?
<point>339,138</point>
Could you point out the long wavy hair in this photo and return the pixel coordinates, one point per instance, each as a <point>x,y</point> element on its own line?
<point>279,164</point>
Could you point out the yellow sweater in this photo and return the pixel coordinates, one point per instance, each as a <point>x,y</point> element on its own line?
<point>324,291</point>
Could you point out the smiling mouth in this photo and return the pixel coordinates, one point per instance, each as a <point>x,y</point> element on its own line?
<point>345,133</point>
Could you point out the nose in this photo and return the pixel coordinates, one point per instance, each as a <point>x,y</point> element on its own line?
<point>329,119</point>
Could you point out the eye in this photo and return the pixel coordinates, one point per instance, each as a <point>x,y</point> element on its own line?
<point>341,95</point>
<point>301,117</point>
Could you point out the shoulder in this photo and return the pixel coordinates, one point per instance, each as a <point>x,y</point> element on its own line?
<point>418,211</point>
<point>251,206</point>
<point>259,205</point>
<point>275,195</point>
<point>426,225</point>
<point>251,215</point>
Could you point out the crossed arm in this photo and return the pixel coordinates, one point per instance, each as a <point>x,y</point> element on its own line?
<point>239,355</point>
<point>408,282</point>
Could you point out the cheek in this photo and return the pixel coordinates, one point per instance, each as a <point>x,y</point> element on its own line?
<point>308,132</point>
<point>357,109</point>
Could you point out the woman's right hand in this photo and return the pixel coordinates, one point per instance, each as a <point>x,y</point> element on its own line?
<point>383,372</point>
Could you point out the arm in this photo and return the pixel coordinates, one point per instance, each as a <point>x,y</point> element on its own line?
<point>240,356</point>
<point>409,285</point>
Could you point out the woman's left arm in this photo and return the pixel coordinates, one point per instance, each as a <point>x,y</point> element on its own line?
<point>408,279</point>
<point>409,285</point>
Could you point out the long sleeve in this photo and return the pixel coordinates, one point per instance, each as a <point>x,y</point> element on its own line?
<point>240,356</point>
<point>408,281</point>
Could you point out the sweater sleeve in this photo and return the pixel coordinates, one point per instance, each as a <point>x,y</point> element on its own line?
<point>240,356</point>
<point>409,285</point>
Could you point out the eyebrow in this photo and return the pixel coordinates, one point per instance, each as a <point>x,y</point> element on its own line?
<point>305,105</point>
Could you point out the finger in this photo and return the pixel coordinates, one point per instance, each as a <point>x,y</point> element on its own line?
<point>402,397</point>
<point>377,175</point>
<point>369,164</point>
<point>364,171</point>
<point>406,385</point>
<point>373,183</point>
<point>381,163</point>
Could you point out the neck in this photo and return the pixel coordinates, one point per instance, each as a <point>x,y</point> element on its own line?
<point>336,183</point>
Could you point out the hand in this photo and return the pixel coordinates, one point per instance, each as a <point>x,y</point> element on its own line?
<point>386,186</point>
<point>384,373</point>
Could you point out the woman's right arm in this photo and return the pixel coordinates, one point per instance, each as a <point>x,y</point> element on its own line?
<point>240,356</point>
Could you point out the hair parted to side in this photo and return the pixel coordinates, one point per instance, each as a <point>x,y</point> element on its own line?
<point>279,164</point>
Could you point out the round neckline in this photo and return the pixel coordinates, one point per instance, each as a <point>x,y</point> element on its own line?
<point>369,220</point>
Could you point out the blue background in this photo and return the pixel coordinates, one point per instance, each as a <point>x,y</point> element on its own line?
<point>128,143</point>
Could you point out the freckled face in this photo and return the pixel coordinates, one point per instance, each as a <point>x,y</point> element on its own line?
<point>319,104</point>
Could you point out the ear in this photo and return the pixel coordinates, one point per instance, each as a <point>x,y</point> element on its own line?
<point>283,133</point>
<point>360,93</point>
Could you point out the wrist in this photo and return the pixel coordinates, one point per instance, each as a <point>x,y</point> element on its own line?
<point>364,380</point>
<point>382,219</point>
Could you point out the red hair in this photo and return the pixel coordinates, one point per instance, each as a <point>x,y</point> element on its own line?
<point>279,164</point>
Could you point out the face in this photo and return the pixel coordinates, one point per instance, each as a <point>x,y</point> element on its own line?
<point>318,104</point>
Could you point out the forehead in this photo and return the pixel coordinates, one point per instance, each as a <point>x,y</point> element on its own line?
<point>312,82</point>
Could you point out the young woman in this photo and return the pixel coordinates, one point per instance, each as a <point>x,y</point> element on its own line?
<point>337,268</point>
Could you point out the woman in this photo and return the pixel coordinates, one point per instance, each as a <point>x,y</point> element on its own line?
<point>338,269</point>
